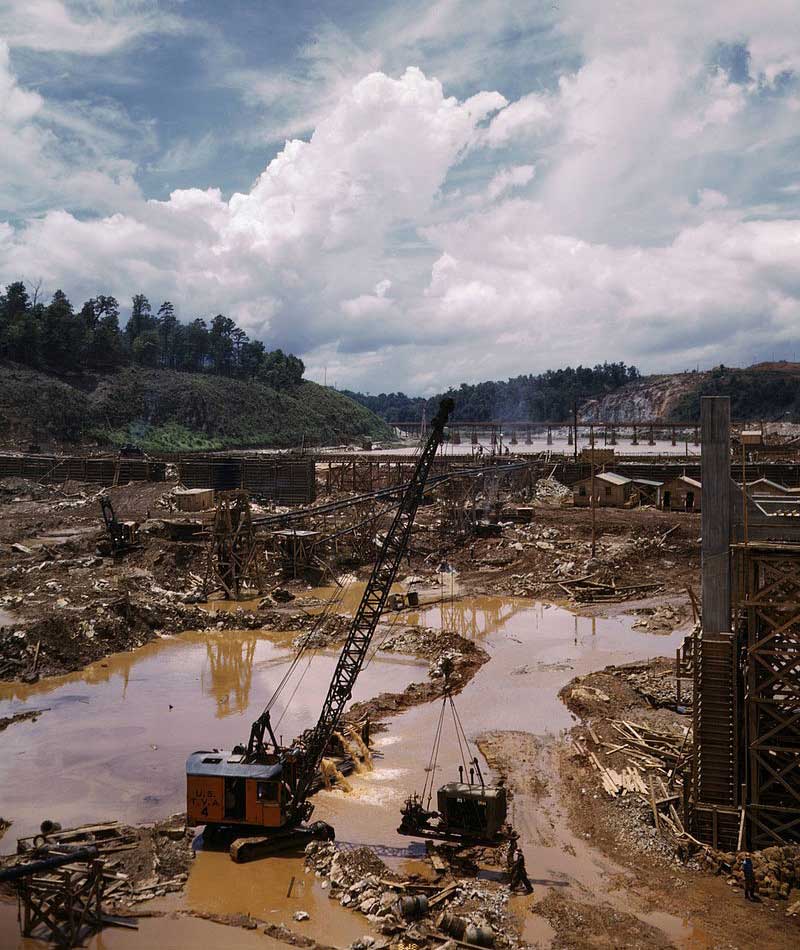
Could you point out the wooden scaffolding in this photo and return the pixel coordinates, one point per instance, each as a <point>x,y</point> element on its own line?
<point>63,906</point>
<point>768,601</point>
<point>233,549</point>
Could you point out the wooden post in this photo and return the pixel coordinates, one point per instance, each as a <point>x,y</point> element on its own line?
<point>575,426</point>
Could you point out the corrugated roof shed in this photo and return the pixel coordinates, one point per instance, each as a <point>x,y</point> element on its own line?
<point>613,478</point>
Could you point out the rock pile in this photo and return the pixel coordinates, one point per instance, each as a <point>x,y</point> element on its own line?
<point>661,619</point>
<point>658,687</point>
<point>777,870</point>
<point>358,879</point>
<point>550,491</point>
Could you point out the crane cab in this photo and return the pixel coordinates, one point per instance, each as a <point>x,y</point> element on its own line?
<point>222,788</point>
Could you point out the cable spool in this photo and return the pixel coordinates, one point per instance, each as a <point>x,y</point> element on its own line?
<point>480,936</point>
<point>453,925</point>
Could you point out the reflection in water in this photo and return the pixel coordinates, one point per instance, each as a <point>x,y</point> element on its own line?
<point>473,618</point>
<point>230,664</point>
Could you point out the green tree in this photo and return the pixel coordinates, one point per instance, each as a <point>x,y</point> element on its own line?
<point>167,325</point>
<point>221,344</point>
<point>106,350</point>
<point>63,335</point>
<point>141,319</point>
<point>281,371</point>
<point>147,348</point>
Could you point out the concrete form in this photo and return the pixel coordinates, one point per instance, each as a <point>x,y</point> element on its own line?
<point>746,764</point>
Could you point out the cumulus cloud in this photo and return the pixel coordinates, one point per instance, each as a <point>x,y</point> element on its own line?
<point>640,202</point>
<point>305,239</point>
<point>509,178</point>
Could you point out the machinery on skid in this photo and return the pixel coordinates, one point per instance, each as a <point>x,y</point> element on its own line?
<point>121,536</point>
<point>264,786</point>
<point>467,811</point>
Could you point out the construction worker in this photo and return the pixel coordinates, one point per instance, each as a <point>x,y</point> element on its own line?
<point>519,875</point>
<point>513,838</point>
<point>749,878</point>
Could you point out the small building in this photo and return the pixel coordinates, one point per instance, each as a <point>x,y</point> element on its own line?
<point>610,491</point>
<point>765,486</point>
<point>681,494</point>
<point>649,491</point>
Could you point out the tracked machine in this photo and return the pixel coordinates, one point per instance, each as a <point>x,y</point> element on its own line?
<point>263,788</point>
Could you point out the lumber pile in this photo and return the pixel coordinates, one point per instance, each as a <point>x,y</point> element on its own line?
<point>641,761</point>
<point>584,590</point>
<point>108,837</point>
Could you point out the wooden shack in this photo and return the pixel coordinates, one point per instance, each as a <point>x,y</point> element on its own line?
<point>765,486</point>
<point>681,494</point>
<point>610,491</point>
<point>649,491</point>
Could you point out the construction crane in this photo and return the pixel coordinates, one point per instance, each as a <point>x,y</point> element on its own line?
<point>122,536</point>
<point>265,786</point>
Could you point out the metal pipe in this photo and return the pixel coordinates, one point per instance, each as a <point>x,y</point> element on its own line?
<point>25,870</point>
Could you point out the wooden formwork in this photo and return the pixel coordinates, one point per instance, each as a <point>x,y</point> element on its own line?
<point>768,600</point>
<point>282,480</point>
<point>105,470</point>
<point>233,552</point>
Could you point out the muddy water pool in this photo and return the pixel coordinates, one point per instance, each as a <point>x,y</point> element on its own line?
<point>534,651</point>
<point>114,738</point>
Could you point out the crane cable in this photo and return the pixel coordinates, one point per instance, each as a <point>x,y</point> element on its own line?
<point>447,699</point>
<point>322,617</point>
<point>335,601</point>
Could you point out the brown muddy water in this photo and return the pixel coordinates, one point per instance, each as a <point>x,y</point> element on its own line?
<point>114,739</point>
<point>111,747</point>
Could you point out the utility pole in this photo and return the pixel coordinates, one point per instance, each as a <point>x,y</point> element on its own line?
<point>575,426</point>
<point>594,515</point>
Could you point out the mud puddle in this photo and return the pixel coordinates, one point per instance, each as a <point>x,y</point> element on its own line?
<point>535,650</point>
<point>166,933</point>
<point>115,739</point>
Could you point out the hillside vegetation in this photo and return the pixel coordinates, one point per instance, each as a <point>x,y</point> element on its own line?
<point>166,410</point>
<point>611,392</point>
<point>765,391</point>
<point>537,398</point>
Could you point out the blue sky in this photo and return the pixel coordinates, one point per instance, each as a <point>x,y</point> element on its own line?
<point>409,194</point>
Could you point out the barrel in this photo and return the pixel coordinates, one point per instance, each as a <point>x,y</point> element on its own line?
<point>412,907</point>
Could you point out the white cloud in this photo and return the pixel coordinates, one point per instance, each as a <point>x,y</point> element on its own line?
<point>306,238</point>
<point>657,224</point>
<point>89,28</point>
<point>529,115</point>
<point>62,154</point>
<point>509,178</point>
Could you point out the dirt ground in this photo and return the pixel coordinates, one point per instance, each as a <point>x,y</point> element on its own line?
<point>648,869</point>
